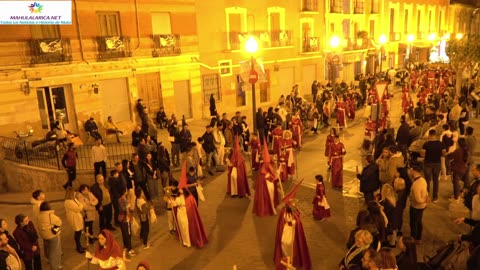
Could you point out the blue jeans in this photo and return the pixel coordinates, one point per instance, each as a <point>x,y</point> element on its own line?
<point>432,172</point>
<point>212,155</point>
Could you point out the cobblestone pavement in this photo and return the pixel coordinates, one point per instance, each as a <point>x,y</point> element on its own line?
<point>236,237</point>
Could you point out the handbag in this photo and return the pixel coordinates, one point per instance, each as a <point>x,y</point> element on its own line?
<point>55,229</point>
<point>134,226</point>
<point>153,216</point>
<point>201,197</point>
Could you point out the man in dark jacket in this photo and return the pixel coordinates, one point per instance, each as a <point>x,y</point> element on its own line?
<point>369,179</point>
<point>472,190</point>
<point>185,138</point>
<point>403,136</point>
<point>209,147</point>
<point>104,205</point>
<point>137,135</point>
<point>117,185</point>
<point>260,122</point>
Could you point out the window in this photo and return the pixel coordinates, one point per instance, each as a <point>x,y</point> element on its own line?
<point>429,21</point>
<point>307,30</point>
<point>161,24</point>
<point>211,85</point>
<point>372,28</point>
<point>276,27</point>
<point>265,87</point>
<point>109,24</point>
<point>310,5</point>
<point>375,8</point>
<point>236,27</point>
<point>346,29</point>
<point>419,23</point>
<point>359,7</point>
<point>336,6</point>
<point>225,67</point>
<point>392,20</point>
<point>405,23</point>
<point>45,31</point>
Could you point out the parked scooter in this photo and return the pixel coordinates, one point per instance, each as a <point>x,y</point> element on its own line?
<point>43,148</point>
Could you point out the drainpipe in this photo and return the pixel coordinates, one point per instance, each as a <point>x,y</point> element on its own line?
<point>79,34</point>
<point>137,24</point>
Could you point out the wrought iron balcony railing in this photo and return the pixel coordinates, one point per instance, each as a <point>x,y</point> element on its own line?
<point>395,36</point>
<point>113,47</point>
<point>50,50</point>
<point>266,39</point>
<point>166,45</point>
<point>311,44</point>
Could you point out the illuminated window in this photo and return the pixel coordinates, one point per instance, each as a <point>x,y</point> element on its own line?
<point>276,27</point>
<point>336,6</point>
<point>372,28</point>
<point>211,86</point>
<point>109,24</point>
<point>359,7</point>
<point>45,31</point>
<point>236,27</point>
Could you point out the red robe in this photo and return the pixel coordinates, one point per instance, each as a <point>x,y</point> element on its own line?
<point>351,108</point>
<point>255,149</point>
<point>406,101</point>
<point>238,162</point>
<point>319,211</point>
<point>277,134</point>
<point>341,108</point>
<point>296,127</point>
<point>287,160</point>
<point>198,237</point>
<point>301,255</point>
<point>328,142</point>
<point>262,205</point>
<point>335,159</point>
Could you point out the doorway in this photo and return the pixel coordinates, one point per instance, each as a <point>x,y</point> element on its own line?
<point>183,101</point>
<point>55,103</point>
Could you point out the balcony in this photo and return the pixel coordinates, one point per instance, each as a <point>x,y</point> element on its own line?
<point>395,36</point>
<point>310,6</point>
<point>310,44</point>
<point>359,8</point>
<point>113,47</point>
<point>357,44</point>
<point>166,45</point>
<point>273,39</point>
<point>421,35</point>
<point>50,50</point>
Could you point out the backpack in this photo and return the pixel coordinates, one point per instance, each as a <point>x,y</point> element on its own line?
<point>451,256</point>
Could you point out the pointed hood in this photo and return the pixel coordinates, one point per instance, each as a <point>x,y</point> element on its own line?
<point>183,176</point>
<point>291,195</point>
<point>267,161</point>
<point>237,155</point>
<point>266,155</point>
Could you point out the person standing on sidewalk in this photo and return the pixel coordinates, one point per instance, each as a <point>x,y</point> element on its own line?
<point>418,202</point>
<point>9,257</point>
<point>459,159</point>
<point>432,151</point>
<point>174,138</point>
<point>209,147</point>
<point>125,218</point>
<point>219,139</point>
<point>74,213</point>
<point>26,235</point>
<point>104,206</point>
<point>69,162</point>
<point>47,222</point>
<point>99,158</point>
<point>89,202</point>
<point>142,208</point>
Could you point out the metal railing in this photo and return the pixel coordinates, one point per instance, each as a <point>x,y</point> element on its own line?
<point>311,44</point>
<point>113,47</point>
<point>49,154</point>
<point>166,45</point>
<point>50,50</point>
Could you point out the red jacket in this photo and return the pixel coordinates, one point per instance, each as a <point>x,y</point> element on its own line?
<point>27,237</point>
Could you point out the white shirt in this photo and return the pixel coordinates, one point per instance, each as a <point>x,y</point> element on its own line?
<point>99,153</point>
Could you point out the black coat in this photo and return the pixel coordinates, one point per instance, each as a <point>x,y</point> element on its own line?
<point>213,108</point>
<point>403,134</point>
<point>260,120</point>
<point>98,193</point>
<point>369,178</point>
<point>472,190</point>
<point>208,143</point>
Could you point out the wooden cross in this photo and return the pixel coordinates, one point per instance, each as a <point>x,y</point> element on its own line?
<point>288,264</point>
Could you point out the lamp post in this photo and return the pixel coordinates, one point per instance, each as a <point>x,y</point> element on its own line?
<point>410,39</point>
<point>382,40</point>
<point>334,43</point>
<point>251,46</point>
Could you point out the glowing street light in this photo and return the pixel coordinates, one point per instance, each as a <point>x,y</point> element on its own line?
<point>251,46</point>
<point>335,41</point>
<point>459,36</point>
<point>447,36</point>
<point>432,36</point>
<point>382,40</point>
<point>410,38</point>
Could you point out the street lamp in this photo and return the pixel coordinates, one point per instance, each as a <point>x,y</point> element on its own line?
<point>334,44</point>
<point>251,46</point>
<point>382,40</point>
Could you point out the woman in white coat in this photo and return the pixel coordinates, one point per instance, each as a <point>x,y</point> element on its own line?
<point>89,201</point>
<point>49,228</point>
<point>74,213</point>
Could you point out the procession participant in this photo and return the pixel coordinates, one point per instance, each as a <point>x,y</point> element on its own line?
<point>266,194</point>
<point>296,127</point>
<point>189,223</point>
<point>335,160</point>
<point>286,155</point>
<point>290,241</point>
<point>108,254</point>
<point>341,108</point>
<point>321,209</point>
<point>326,113</point>
<point>350,107</point>
<point>237,184</point>
<point>329,141</point>
<point>255,150</point>
<point>170,193</point>
<point>407,102</point>
<point>277,134</point>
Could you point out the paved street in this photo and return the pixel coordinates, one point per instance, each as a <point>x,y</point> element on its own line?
<point>236,237</point>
